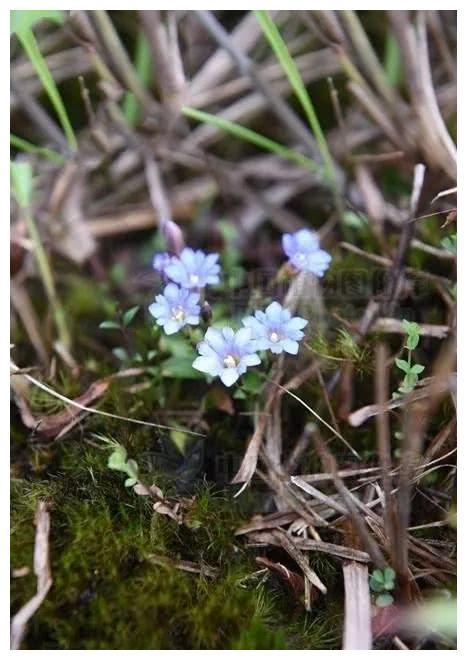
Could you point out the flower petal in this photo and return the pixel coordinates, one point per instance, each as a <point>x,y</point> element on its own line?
<point>290,346</point>
<point>297,323</point>
<point>171,327</point>
<point>273,311</point>
<point>243,336</point>
<point>215,339</point>
<point>208,365</point>
<point>229,376</point>
<point>250,360</point>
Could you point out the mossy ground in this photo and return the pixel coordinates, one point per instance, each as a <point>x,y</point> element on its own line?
<point>107,594</point>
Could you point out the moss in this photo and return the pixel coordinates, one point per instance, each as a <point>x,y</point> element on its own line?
<point>108,595</point>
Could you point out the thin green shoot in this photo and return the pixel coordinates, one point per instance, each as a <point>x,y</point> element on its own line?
<point>22,23</point>
<point>143,66</point>
<point>411,371</point>
<point>246,134</point>
<point>29,147</point>
<point>392,60</point>
<point>22,188</point>
<point>279,47</point>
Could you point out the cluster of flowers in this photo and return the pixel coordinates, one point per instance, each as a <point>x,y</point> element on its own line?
<point>224,352</point>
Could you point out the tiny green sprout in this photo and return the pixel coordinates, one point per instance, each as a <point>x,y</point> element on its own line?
<point>119,461</point>
<point>123,321</point>
<point>381,583</point>
<point>411,371</point>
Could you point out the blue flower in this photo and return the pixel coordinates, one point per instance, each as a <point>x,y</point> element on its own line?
<point>193,269</point>
<point>160,261</point>
<point>304,252</point>
<point>226,354</point>
<point>275,329</point>
<point>175,308</point>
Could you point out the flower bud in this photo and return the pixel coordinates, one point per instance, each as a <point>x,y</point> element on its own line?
<point>173,236</point>
<point>206,312</point>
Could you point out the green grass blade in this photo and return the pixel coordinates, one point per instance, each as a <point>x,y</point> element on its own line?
<point>290,68</point>
<point>392,60</point>
<point>29,147</point>
<point>143,66</point>
<point>30,45</point>
<point>248,135</point>
<point>22,187</point>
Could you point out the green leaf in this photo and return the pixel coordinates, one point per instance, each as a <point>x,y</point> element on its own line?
<point>403,365</point>
<point>412,342</point>
<point>410,380</point>
<point>355,220</point>
<point>23,20</point>
<point>131,481</point>
<point>180,439</point>
<point>375,585</point>
<point>177,345</point>
<point>405,389</point>
<point>248,135</point>
<point>378,575</point>
<point>180,367</point>
<point>117,459</point>
<point>287,62</point>
<point>417,369</point>
<point>377,580</point>
<point>392,60</point>
<point>410,327</point>
<point>120,353</point>
<point>383,600</point>
<point>129,315</point>
<point>109,325</point>
<point>252,382</point>
<point>389,574</point>
<point>21,182</point>
<point>143,66</point>
<point>132,468</point>
<point>24,145</point>
<point>23,29</point>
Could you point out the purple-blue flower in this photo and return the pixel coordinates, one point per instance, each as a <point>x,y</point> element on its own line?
<point>175,308</point>
<point>194,269</point>
<point>304,252</point>
<point>226,354</point>
<point>160,261</point>
<point>275,329</point>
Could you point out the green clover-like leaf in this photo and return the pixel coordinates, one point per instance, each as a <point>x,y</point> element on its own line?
<point>383,600</point>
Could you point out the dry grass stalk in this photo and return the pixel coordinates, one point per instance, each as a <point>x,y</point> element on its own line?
<point>357,620</point>
<point>43,573</point>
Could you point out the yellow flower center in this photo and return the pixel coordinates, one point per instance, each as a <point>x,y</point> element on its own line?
<point>178,313</point>
<point>230,362</point>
